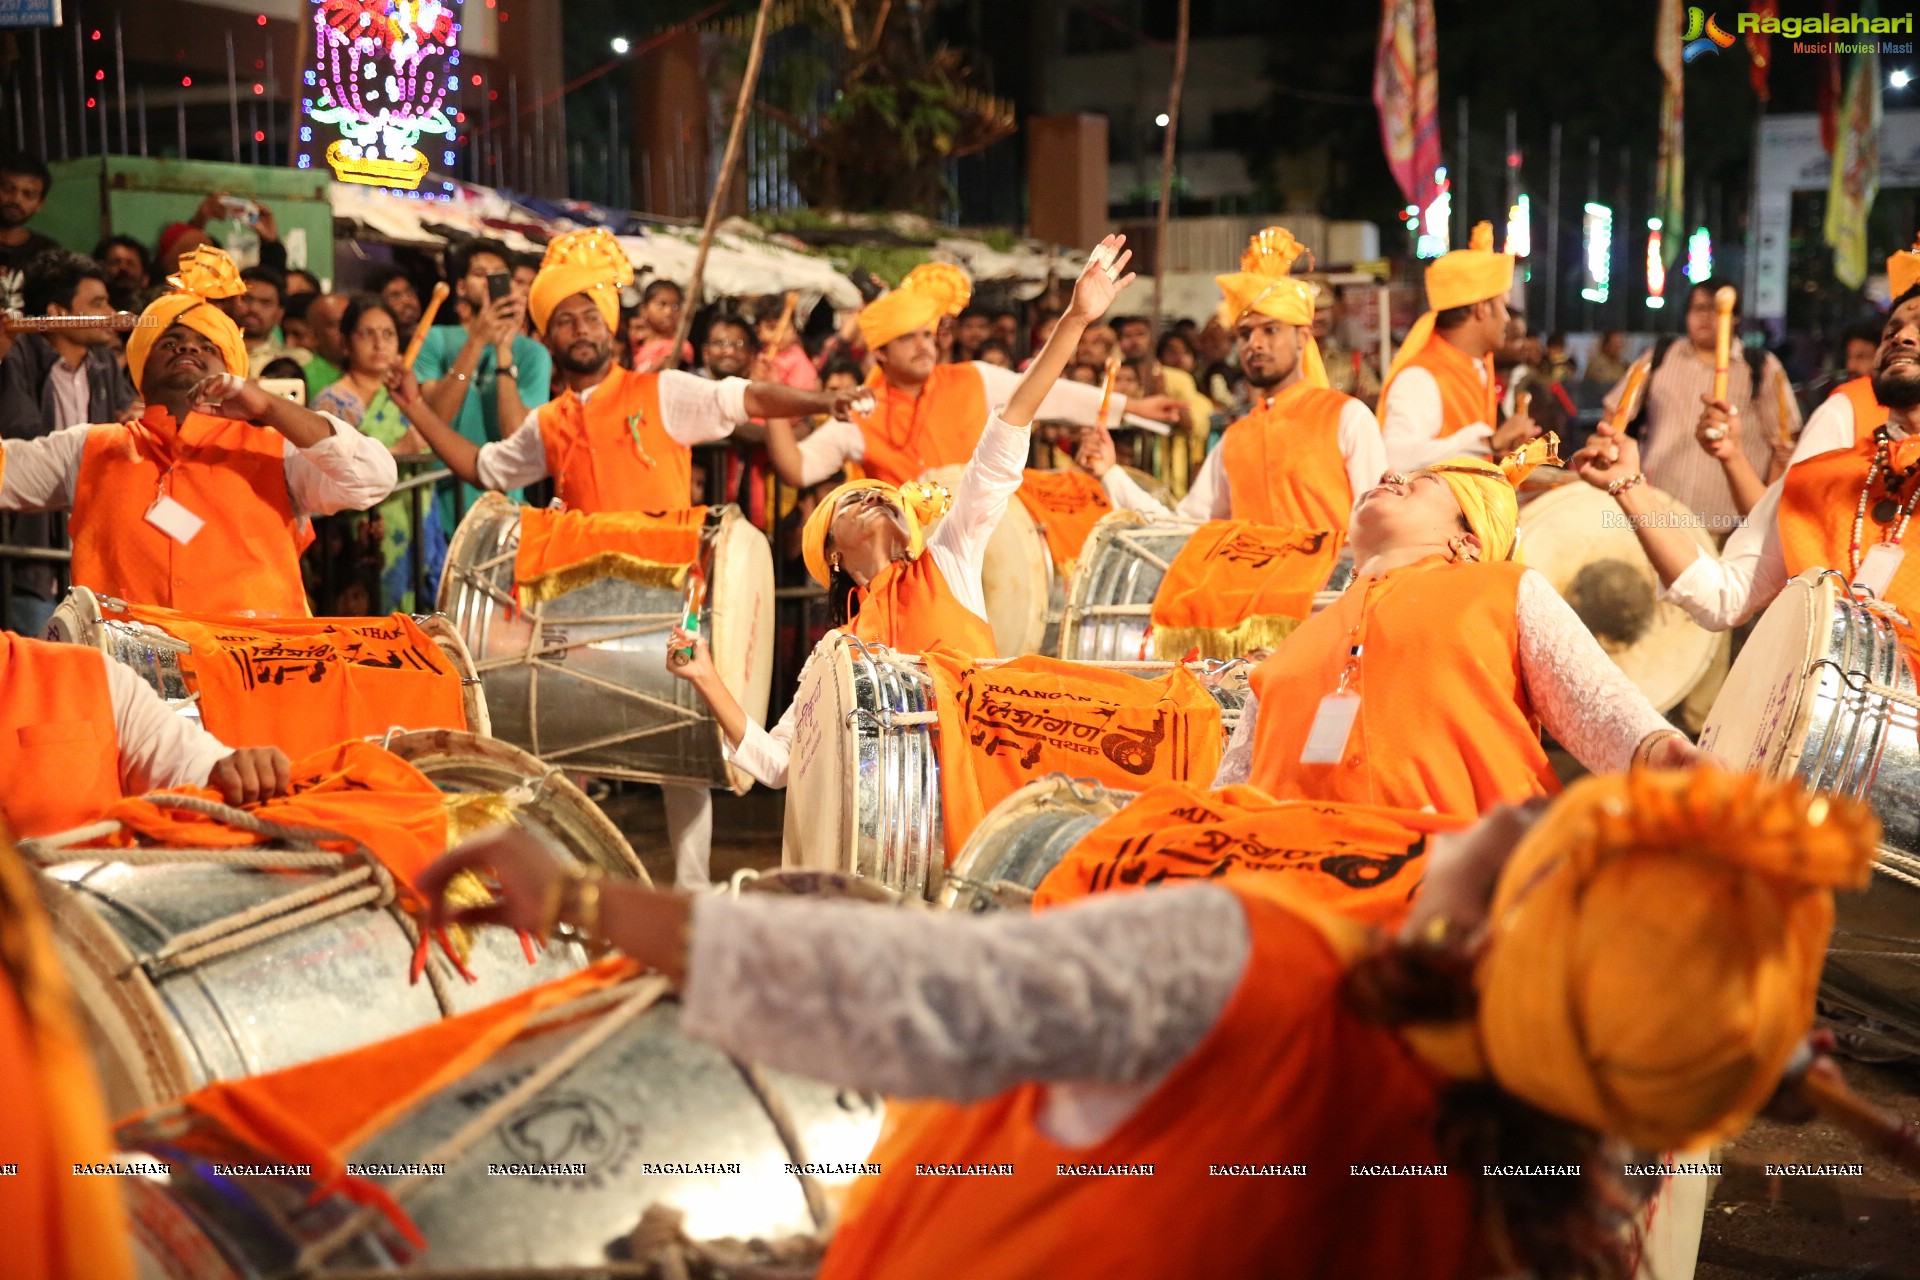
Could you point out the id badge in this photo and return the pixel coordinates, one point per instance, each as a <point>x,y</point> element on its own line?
<point>174,520</point>
<point>1877,568</point>
<point>1332,726</point>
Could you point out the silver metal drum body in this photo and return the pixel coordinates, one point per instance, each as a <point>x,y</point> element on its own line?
<point>1023,839</point>
<point>649,1096</point>
<point>149,651</point>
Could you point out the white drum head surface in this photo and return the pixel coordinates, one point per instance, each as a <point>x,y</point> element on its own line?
<point>1760,719</point>
<point>740,593</point>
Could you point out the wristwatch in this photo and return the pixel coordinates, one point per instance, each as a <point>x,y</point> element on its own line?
<point>508,371</point>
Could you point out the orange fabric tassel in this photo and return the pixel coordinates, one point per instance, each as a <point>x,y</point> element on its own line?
<point>563,550</point>
<point>304,684</point>
<point>1066,505</point>
<point>1237,586</point>
<point>1003,727</point>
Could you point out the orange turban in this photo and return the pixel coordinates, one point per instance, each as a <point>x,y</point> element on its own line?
<point>1903,270</point>
<point>1458,279</point>
<point>1654,948</point>
<point>1263,286</point>
<point>204,274</point>
<point>931,291</point>
<point>921,503</point>
<point>1488,493</point>
<point>590,262</point>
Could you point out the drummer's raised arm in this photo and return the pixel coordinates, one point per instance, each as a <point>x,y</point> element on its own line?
<point>461,455</point>
<point>1093,294</point>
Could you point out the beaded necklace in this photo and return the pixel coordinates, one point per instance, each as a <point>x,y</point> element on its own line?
<point>1888,507</point>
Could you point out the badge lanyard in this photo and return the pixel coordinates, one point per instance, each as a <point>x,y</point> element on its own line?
<point>169,515</point>
<point>1875,570</point>
<point>1333,721</point>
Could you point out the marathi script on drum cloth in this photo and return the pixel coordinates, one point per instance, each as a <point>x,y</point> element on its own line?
<point>1066,505</point>
<point>1004,726</point>
<point>1364,860</point>
<point>304,684</point>
<point>1237,586</point>
<point>562,551</point>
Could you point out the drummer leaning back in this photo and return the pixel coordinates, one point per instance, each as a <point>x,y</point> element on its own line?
<point>198,505</point>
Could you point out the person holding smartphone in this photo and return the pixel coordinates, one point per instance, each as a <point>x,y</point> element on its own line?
<point>483,376</point>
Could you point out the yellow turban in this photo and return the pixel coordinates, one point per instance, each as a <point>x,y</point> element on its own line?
<point>204,274</point>
<point>1489,493</point>
<point>922,503</point>
<point>1263,286</point>
<point>1459,279</point>
<point>1655,945</point>
<point>1903,270</point>
<point>930,291</point>
<point>590,262</point>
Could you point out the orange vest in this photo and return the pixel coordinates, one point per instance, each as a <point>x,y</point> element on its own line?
<point>59,749</point>
<point>1819,498</point>
<point>909,608</point>
<point>906,436</point>
<point>1444,716</point>
<point>1466,394</point>
<point>613,453</point>
<point>1283,461</point>
<point>1868,412</point>
<point>1289,1076</point>
<point>231,474</point>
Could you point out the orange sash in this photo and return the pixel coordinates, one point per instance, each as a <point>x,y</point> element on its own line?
<point>1818,500</point>
<point>1466,394</point>
<point>1283,461</point>
<point>305,684</point>
<point>1363,860</point>
<point>909,608</point>
<point>1005,726</point>
<point>562,551</point>
<point>1868,412</point>
<point>1066,505</point>
<point>1237,586</point>
<point>907,436</point>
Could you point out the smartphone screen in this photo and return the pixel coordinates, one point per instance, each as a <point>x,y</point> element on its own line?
<point>499,285</point>
<point>294,389</point>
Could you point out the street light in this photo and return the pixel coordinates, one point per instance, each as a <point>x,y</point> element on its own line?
<point>620,44</point>
<point>1161,119</point>
<point>1899,78</point>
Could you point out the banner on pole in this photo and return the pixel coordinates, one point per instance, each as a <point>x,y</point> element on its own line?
<point>1406,93</point>
<point>1855,177</point>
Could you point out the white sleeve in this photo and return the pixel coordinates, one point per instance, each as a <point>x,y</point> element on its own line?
<point>348,471</point>
<point>765,753</point>
<point>1362,446</point>
<point>1065,401</point>
<point>1410,417</point>
<point>1721,593</point>
<point>828,448</point>
<point>517,461</point>
<point>1127,495</point>
<point>696,411</point>
<point>1236,762</point>
<point>1208,496</point>
<point>1583,699</point>
<point>158,748</point>
<point>41,473</point>
<point>1829,427</point>
<point>991,478</point>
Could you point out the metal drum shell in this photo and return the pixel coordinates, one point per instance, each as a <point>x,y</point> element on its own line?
<point>1023,838</point>
<point>649,1095</point>
<point>622,713</point>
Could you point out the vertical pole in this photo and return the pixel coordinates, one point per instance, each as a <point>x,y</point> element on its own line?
<point>1552,226</point>
<point>19,116</point>
<point>254,130</point>
<point>1593,197</point>
<point>120,78</point>
<point>180,118</point>
<point>80,79</point>
<point>233,101</point>
<point>140,91</point>
<point>1162,259</point>
<point>1461,207</point>
<point>512,178</point>
<point>100,105</point>
<point>538,181</point>
<point>1623,237</point>
<point>273,96</point>
<point>60,97</point>
<point>613,147</point>
<point>40,91</point>
<point>487,140</point>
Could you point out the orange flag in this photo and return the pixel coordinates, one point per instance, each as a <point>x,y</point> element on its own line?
<point>1066,505</point>
<point>1365,860</point>
<point>1237,586</point>
<point>1002,727</point>
<point>561,551</point>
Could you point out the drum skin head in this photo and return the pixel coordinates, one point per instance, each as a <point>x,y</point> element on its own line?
<point>740,595</point>
<point>818,831</point>
<point>1761,718</point>
<point>1017,574</point>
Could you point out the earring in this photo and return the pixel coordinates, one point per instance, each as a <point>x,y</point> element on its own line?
<point>834,564</point>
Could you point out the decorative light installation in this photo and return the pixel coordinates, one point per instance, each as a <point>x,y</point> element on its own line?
<point>1596,233</point>
<point>1699,255</point>
<point>385,74</point>
<point>1433,223</point>
<point>1519,230</point>
<point>1656,269</point>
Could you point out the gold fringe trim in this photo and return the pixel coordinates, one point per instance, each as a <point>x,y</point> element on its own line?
<point>468,814</point>
<point>606,564</point>
<point>1262,631</point>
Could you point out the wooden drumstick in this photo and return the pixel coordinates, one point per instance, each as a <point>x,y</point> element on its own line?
<point>1816,1081</point>
<point>426,323</point>
<point>1629,397</point>
<point>1106,388</point>
<point>1522,401</point>
<point>1723,301</point>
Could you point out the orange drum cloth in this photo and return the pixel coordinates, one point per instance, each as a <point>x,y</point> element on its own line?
<point>59,744</point>
<point>562,551</point>
<point>907,436</point>
<point>1238,586</point>
<point>1444,716</point>
<point>1066,505</point>
<point>1289,1074</point>
<point>317,1113</point>
<point>1283,461</point>
<point>1002,727</point>
<point>59,1226</point>
<point>1363,860</point>
<point>305,684</point>
<point>1818,501</point>
<point>909,608</point>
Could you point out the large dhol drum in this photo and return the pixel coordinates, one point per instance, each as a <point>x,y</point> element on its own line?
<point>1580,539</point>
<point>167,663</point>
<point>1024,838</point>
<point>1824,691</point>
<point>582,680</point>
<point>167,1011</point>
<point>1108,614</point>
<point>647,1120</point>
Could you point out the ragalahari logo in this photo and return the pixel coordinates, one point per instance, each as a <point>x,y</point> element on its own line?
<point>1703,34</point>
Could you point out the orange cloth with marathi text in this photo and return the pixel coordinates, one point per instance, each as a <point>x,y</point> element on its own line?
<point>231,474</point>
<point>1289,1074</point>
<point>1868,412</point>
<point>59,742</point>
<point>1283,461</point>
<point>907,436</point>
<point>909,608</point>
<point>1004,726</point>
<point>1066,505</point>
<point>613,453</point>
<point>1237,585</point>
<point>1444,715</point>
<point>559,547</point>
<point>1363,860</point>
<point>305,684</point>
<point>1466,394</point>
<point>1819,498</point>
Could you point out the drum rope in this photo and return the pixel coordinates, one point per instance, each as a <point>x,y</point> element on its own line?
<point>789,1134</point>
<point>534,652</point>
<point>231,936</point>
<point>1128,541</point>
<point>435,967</point>
<point>645,993</point>
<point>267,859</point>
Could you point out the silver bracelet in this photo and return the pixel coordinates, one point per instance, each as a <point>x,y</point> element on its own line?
<point>1619,487</point>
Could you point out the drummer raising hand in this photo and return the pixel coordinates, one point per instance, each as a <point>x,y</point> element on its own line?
<point>1719,433</point>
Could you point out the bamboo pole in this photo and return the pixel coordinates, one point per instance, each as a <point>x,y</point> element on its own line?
<point>728,161</point>
<point>1160,258</point>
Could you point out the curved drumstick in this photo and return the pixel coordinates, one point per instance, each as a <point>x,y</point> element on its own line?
<point>1812,1084</point>
<point>426,323</point>
<point>1629,397</point>
<point>1106,387</point>
<point>1723,339</point>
